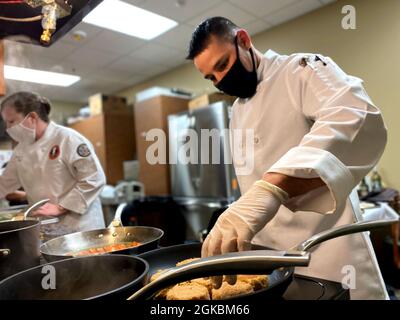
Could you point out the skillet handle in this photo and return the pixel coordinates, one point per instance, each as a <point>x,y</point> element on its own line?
<point>117,222</point>
<point>343,230</point>
<point>245,262</point>
<point>35,206</point>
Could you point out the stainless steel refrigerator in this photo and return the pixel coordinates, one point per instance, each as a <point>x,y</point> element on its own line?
<point>202,173</point>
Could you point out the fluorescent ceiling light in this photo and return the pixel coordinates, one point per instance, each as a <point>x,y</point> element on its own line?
<point>122,17</point>
<point>38,76</point>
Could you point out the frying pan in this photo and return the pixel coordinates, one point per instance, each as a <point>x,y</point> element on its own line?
<point>279,265</point>
<point>61,247</point>
<point>93,277</point>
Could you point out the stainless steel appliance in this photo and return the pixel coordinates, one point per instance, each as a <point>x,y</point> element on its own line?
<point>202,173</point>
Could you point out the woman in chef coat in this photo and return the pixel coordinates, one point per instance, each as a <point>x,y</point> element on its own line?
<point>314,133</point>
<point>52,162</point>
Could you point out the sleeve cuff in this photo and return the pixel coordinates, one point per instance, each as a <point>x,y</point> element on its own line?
<point>309,162</point>
<point>75,202</point>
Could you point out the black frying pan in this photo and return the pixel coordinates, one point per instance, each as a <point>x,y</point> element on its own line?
<point>278,264</point>
<point>94,277</point>
<point>167,258</point>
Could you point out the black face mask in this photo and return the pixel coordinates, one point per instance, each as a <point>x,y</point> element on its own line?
<point>238,81</point>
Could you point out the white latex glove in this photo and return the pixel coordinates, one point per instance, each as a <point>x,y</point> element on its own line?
<point>237,226</point>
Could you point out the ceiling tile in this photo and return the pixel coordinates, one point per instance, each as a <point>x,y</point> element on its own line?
<point>227,10</point>
<point>89,30</point>
<point>114,74</point>
<point>292,11</point>
<point>261,8</point>
<point>133,64</point>
<point>188,10</point>
<point>18,54</point>
<point>154,69</point>
<point>326,1</point>
<point>128,67</point>
<point>58,50</point>
<point>177,38</point>
<point>114,42</point>
<point>15,56</point>
<point>175,61</point>
<point>135,80</point>
<point>91,57</point>
<point>256,26</point>
<point>135,2</point>
<point>77,67</point>
<point>94,85</point>
<point>154,52</point>
<point>14,86</point>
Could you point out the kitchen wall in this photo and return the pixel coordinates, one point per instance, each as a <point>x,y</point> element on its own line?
<point>371,52</point>
<point>61,110</point>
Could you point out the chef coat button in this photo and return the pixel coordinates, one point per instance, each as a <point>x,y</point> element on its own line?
<point>256,140</point>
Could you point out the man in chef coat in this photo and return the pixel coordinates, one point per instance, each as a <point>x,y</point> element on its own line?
<point>314,133</point>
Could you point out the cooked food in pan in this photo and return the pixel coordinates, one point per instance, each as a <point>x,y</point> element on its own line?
<point>104,249</point>
<point>188,291</point>
<point>202,289</point>
<point>228,291</point>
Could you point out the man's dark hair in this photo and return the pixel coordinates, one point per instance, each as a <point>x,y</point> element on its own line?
<point>26,102</point>
<point>219,27</point>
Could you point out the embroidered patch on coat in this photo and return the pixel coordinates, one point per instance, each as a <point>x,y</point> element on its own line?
<point>83,150</point>
<point>54,152</point>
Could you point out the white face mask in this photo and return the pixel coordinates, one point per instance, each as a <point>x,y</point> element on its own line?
<point>22,134</point>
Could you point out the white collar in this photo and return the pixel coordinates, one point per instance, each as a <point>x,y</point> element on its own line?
<point>265,62</point>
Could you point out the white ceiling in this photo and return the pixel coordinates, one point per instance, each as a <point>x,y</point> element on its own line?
<point>108,61</point>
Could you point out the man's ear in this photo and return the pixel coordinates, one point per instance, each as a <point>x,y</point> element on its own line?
<point>244,39</point>
<point>34,115</point>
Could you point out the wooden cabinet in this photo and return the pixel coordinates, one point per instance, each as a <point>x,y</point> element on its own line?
<point>2,81</point>
<point>113,138</point>
<point>153,114</point>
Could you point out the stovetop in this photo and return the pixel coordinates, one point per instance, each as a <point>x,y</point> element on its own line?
<point>308,288</point>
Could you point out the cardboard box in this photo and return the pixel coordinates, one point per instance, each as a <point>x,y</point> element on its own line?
<point>153,114</point>
<point>207,99</point>
<point>161,91</point>
<point>113,138</point>
<point>100,103</point>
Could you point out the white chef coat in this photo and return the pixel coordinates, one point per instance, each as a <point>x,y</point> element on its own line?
<point>62,167</point>
<point>310,119</point>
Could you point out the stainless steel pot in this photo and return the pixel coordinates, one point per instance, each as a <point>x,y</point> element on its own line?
<point>19,246</point>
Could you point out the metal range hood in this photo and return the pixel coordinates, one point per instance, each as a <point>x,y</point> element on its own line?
<point>41,22</point>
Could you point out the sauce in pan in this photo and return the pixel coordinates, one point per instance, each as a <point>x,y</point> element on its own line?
<point>104,249</point>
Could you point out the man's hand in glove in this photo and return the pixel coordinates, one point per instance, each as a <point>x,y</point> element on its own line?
<point>237,226</point>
